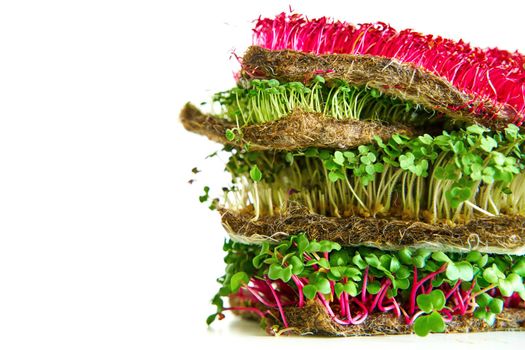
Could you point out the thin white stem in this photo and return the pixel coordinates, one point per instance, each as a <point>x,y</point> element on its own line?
<point>474,206</point>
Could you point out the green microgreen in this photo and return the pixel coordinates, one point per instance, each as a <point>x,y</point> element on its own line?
<point>268,100</point>
<point>255,174</point>
<point>447,177</point>
<point>229,134</point>
<point>429,323</point>
<point>203,198</point>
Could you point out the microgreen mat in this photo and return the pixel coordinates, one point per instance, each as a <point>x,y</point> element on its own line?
<point>486,73</point>
<point>268,100</point>
<point>454,176</point>
<point>422,288</point>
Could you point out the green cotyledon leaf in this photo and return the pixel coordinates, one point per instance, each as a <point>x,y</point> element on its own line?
<point>435,300</point>
<point>429,323</point>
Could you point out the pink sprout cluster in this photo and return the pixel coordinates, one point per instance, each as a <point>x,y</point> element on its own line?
<point>487,75</point>
<point>265,294</point>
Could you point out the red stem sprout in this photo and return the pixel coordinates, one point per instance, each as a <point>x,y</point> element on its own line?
<point>494,77</point>
<point>277,301</point>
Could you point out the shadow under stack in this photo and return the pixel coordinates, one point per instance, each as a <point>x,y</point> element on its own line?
<point>377,181</point>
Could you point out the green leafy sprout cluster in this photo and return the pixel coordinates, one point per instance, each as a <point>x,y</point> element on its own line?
<point>454,177</point>
<point>425,289</point>
<point>269,100</point>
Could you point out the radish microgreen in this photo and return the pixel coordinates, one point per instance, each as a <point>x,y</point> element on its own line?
<point>415,284</point>
<point>475,71</point>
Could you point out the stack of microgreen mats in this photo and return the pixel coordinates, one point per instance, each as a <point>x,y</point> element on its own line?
<point>377,182</point>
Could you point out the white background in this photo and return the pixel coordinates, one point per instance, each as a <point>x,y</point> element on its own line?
<point>103,244</point>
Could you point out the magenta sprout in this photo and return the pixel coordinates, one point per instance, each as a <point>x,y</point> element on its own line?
<point>497,76</point>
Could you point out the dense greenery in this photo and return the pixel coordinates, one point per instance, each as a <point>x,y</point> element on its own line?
<point>426,289</point>
<point>268,100</point>
<point>453,176</point>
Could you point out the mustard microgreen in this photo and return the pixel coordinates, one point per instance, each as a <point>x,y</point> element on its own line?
<point>448,177</point>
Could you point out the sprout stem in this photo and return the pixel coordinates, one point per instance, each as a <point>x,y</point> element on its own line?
<point>365,281</point>
<point>260,298</point>
<point>300,287</point>
<point>474,206</point>
<point>277,301</point>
